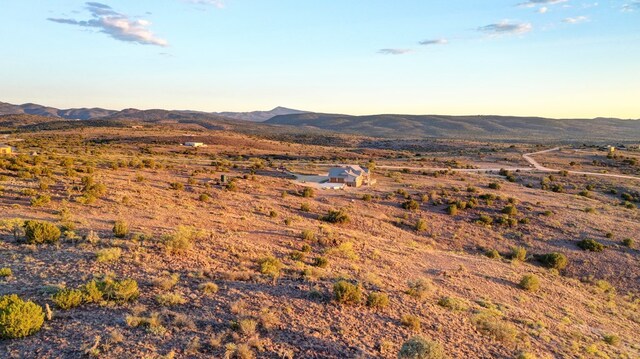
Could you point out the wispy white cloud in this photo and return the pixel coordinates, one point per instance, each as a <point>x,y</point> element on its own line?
<point>216,3</point>
<point>119,26</point>
<point>631,6</point>
<point>532,3</point>
<point>575,20</point>
<point>506,28</point>
<point>543,10</point>
<point>434,42</point>
<point>394,51</point>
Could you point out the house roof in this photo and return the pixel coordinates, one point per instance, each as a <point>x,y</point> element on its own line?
<point>351,171</point>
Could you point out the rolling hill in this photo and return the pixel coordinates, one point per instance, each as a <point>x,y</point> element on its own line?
<point>430,126</point>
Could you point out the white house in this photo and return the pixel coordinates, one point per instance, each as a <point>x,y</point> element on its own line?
<point>351,175</point>
<point>194,144</point>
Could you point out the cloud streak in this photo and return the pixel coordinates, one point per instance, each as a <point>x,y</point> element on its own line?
<point>216,3</point>
<point>394,51</point>
<point>575,20</point>
<point>631,6</point>
<point>434,42</point>
<point>117,25</point>
<point>506,28</point>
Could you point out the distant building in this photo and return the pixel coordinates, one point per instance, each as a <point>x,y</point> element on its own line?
<point>136,127</point>
<point>611,149</point>
<point>5,150</point>
<point>194,144</point>
<point>352,176</point>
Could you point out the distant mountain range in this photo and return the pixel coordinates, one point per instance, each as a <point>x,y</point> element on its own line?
<point>98,113</point>
<point>281,120</point>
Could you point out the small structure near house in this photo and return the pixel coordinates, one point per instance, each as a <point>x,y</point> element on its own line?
<point>136,127</point>
<point>611,149</point>
<point>5,150</point>
<point>194,144</point>
<point>351,175</point>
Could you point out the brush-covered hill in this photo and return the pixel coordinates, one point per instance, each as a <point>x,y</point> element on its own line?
<point>425,126</point>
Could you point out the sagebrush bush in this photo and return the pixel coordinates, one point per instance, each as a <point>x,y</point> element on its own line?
<point>452,210</point>
<point>18,318</point>
<point>510,210</point>
<point>492,253</point>
<point>554,260</point>
<point>308,235</point>
<point>170,299</point>
<point>419,288</point>
<point>488,323</point>
<point>305,207</point>
<point>270,266</point>
<point>120,229</point>
<point>181,240</point>
<point>91,292</point>
<point>108,255</point>
<point>590,245</point>
<point>419,347</point>
<point>68,298</point>
<point>5,272</point>
<point>411,321</point>
<point>452,303</point>
<point>530,283</point>
<point>411,205</point>
<point>209,288</point>
<point>308,192</point>
<point>336,216</point>
<point>377,300</point>
<point>628,242</point>
<point>519,254</point>
<point>421,225</point>
<point>346,293</point>
<point>122,291</point>
<point>321,262</point>
<point>37,232</point>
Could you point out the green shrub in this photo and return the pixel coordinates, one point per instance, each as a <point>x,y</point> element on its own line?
<point>346,293</point>
<point>419,288</point>
<point>305,207</point>
<point>628,242</point>
<point>452,210</point>
<point>488,323</point>
<point>308,235</point>
<point>270,266</point>
<point>411,321</point>
<point>485,219</point>
<point>519,254</point>
<point>308,192</point>
<point>590,245</point>
<point>91,292</point>
<point>204,198</point>
<point>170,299</point>
<point>5,272</point>
<point>40,200</point>
<point>554,260</point>
<point>510,210</point>
<point>452,303</point>
<point>108,255</point>
<point>367,197</point>
<point>421,225</point>
<point>612,339</point>
<point>122,291</point>
<point>176,186</point>
<point>419,347</point>
<point>411,205</point>
<point>336,216</point>
<point>67,298</point>
<point>321,262</point>
<point>120,229</point>
<point>377,300</point>
<point>209,288</point>
<point>530,283</point>
<point>37,232</point>
<point>306,248</point>
<point>495,185</point>
<point>18,318</point>
<point>181,240</point>
<point>493,254</point>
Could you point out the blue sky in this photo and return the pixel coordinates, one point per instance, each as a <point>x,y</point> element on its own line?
<point>514,57</point>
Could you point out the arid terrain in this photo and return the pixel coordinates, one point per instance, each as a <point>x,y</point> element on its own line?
<point>517,263</point>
